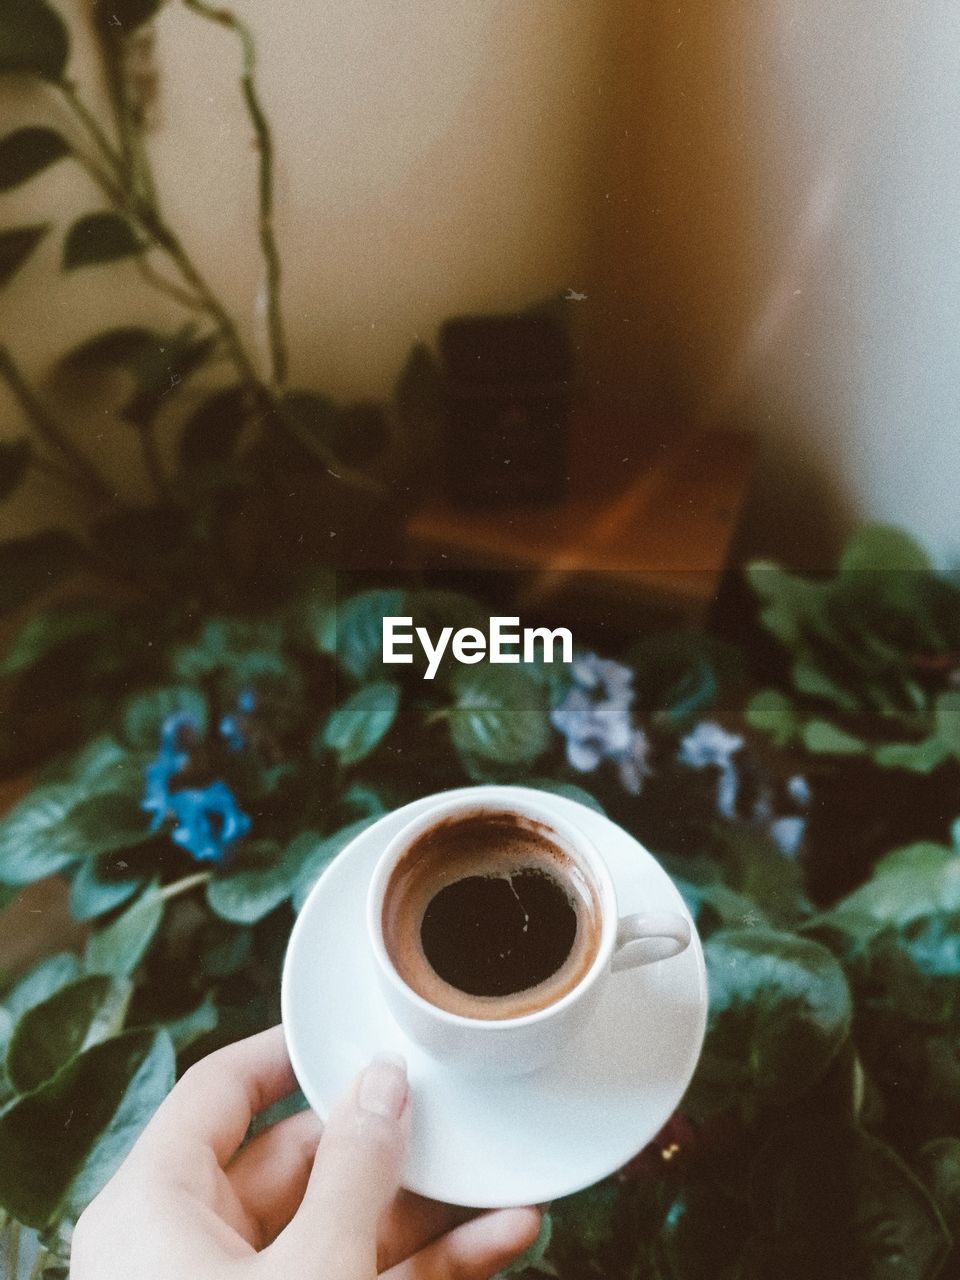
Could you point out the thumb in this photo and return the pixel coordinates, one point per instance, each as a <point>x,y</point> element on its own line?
<point>355,1176</point>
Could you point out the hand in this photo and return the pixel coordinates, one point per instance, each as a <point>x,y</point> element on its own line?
<point>191,1203</point>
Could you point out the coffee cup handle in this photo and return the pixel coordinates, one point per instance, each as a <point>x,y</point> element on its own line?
<point>649,936</point>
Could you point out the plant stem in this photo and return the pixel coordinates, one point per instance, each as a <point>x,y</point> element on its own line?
<point>185,885</point>
<point>90,124</point>
<point>174,291</point>
<point>151,461</point>
<point>148,218</point>
<point>51,431</point>
<point>268,243</point>
<point>136,163</point>
<point>170,243</point>
<point>13,1248</point>
<point>39,1262</point>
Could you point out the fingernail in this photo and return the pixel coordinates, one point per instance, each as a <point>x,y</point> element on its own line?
<point>383,1086</point>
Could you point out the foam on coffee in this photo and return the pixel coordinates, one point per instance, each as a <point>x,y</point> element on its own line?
<point>487,916</point>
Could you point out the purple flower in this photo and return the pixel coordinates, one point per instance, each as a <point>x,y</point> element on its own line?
<point>208,820</point>
<point>787,834</point>
<point>709,746</point>
<point>595,719</point>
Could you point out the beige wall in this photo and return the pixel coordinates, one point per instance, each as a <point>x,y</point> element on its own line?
<point>787,250</point>
<point>433,158</point>
<point>759,198</point>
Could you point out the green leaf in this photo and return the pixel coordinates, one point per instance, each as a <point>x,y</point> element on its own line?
<point>312,859</point>
<point>211,433</point>
<point>772,713</point>
<point>31,565</point>
<point>918,880</point>
<point>40,982</point>
<point>144,715</point>
<point>119,948</point>
<point>75,1018</point>
<point>244,897</point>
<point>162,370</point>
<point>365,800</point>
<point>499,714</point>
<point>27,152</point>
<point>124,348</point>
<point>97,238</point>
<point>16,246</point>
<point>809,679</point>
<point>883,547</point>
<point>198,1022</point>
<point>100,759</point>
<point>918,757</point>
<point>91,896</point>
<point>827,739</point>
<point>716,905</point>
<point>534,1253</point>
<point>938,1165</point>
<point>587,1219</point>
<point>779,1010</point>
<point>56,824</point>
<point>317,617</point>
<point>834,1204</point>
<point>153,1063</point>
<point>247,650</point>
<point>569,790</point>
<point>360,630</point>
<point>15,456</point>
<point>33,39</point>
<point>54,626</point>
<point>29,849</point>
<point>310,416</point>
<point>946,712</point>
<point>357,728</point>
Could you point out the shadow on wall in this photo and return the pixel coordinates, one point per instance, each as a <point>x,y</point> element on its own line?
<point>727,287</point>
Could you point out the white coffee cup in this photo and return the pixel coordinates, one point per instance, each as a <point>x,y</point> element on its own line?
<point>511,1046</point>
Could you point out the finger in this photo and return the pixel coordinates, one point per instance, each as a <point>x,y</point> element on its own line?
<point>355,1176</point>
<point>411,1221</point>
<point>214,1102</point>
<point>474,1251</point>
<point>270,1174</point>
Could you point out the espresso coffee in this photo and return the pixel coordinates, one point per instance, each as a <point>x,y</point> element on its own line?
<point>485,915</point>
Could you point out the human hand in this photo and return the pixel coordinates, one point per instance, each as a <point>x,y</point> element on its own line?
<point>189,1203</point>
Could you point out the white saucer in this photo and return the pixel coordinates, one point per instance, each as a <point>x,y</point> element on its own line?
<point>486,1142</point>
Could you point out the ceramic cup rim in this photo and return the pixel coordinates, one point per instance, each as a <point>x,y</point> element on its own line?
<point>571,838</point>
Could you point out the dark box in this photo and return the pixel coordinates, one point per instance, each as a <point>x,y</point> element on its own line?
<point>507,383</point>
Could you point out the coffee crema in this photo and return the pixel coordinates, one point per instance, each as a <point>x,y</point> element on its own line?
<point>486,916</point>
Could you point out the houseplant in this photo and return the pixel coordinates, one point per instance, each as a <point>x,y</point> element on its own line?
<point>228,730</point>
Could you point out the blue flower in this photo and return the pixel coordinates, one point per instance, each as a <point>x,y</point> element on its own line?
<point>709,746</point>
<point>177,734</point>
<point>233,733</point>
<point>233,726</point>
<point>208,821</point>
<point>595,718</point>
